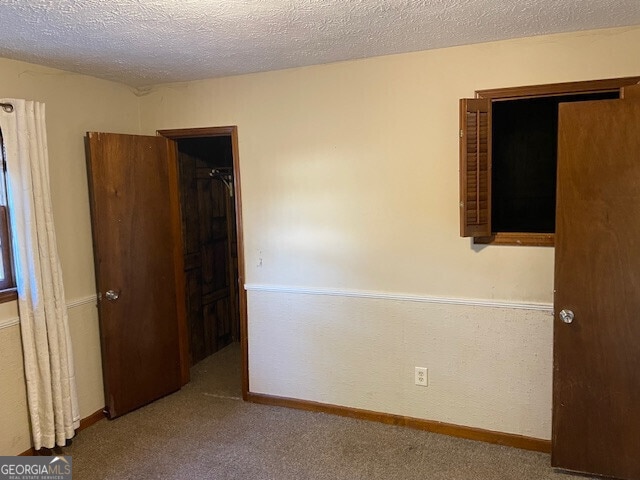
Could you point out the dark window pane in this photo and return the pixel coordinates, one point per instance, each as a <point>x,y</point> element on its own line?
<point>525,135</point>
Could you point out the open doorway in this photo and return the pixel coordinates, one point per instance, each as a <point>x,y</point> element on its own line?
<point>205,171</point>
<point>208,177</point>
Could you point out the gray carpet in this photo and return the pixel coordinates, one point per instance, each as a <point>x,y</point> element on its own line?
<point>206,432</point>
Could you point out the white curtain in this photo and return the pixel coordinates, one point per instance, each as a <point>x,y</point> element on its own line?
<point>48,356</point>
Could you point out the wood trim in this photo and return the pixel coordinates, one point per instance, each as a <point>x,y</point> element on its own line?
<point>8,295</point>
<point>518,239</point>
<point>176,134</point>
<point>92,419</point>
<point>9,282</point>
<point>470,433</point>
<point>630,92</point>
<point>242,293</point>
<point>86,422</point>
<point>232,131</point>
<point>588,86</point>
<point>7,262</point>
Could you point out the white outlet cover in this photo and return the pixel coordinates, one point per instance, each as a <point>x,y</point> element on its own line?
<point>422,376</point>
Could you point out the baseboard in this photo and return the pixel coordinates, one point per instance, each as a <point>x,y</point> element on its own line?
<point>95,417</point>
<point>84,423</point>
<point>470,433</point>
<point>28,453</point>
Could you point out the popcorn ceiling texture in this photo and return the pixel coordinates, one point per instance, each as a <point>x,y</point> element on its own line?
<point>145,42</point>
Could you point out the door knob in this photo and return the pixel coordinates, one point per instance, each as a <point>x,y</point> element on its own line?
<point>566,316</point>
<point>111,295</point>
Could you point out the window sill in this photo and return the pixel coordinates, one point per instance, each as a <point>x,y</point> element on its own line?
<point>8,295</point>
<point>518,239</point>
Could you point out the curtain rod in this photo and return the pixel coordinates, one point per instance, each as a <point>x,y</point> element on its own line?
<point>7,107</point>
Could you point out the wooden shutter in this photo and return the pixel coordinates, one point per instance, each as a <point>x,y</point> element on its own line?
<point>475,167</point>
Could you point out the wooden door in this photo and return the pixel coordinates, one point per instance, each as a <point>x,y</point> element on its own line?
<point>596,392</point>
<point>208,221</point>
<point>139,267</point>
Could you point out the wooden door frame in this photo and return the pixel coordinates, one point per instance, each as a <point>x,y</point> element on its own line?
<point>229,131</point>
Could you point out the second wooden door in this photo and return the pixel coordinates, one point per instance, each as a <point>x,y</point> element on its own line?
<point>208,224</point>
<point>596,400</point>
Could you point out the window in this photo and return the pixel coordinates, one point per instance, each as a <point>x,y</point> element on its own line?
<point>508,147</point>
<point>7,278</point>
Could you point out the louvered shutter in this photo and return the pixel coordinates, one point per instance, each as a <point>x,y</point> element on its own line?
<point>475,167</point>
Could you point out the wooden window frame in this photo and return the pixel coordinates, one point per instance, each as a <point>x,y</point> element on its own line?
<point>518,93</point>
<point>8,285</point>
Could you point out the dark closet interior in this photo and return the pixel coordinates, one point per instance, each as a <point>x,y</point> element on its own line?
<point>210,247</point>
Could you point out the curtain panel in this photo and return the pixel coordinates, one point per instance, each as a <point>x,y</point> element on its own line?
<point>48,355</point>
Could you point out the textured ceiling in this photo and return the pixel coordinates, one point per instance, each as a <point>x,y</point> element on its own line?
<point>144,42</point>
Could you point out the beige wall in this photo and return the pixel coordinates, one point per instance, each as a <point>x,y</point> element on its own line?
<point>75,104</point>
<point>355,269</point>
<point>354,264</point>
<point>350,170</point>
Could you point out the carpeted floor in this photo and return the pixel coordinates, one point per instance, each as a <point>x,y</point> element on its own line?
<point>206,431</point>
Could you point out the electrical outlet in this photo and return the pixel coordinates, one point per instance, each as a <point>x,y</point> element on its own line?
<point>422,377</point>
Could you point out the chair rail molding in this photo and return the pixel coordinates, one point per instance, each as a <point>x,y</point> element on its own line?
<point>78,302</point>
<point>403,297</point>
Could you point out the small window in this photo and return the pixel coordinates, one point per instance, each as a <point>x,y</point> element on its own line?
<point>508,159</point>
<point>7,278</point>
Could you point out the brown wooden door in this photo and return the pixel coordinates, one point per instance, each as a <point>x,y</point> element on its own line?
<point>596,392</point>
<point>208,220</point>
<point>138,256</point>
